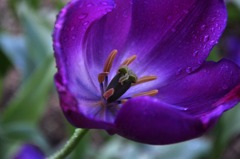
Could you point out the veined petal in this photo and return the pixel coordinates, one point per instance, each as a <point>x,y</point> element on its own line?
<point>106,34</point>
<point>173,37</point>
<point>72,79</point>
<point>201,89</point>
<point>151,121</point>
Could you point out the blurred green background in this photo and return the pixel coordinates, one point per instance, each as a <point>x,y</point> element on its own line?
<point>29,108</point>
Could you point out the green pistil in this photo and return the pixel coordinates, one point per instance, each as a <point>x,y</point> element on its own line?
<point>121,82</point>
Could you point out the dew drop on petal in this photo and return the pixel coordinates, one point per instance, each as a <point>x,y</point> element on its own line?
<point>206,38</point>
<point>179,71</point>
<point>195,53</point>
<point>82,16</point>
<point>108,10</point>
<point>189,69</point>
<point>213,19</point>
<point>85,23</point>
<point>104,3</point>
<point>203,27</point>
<point>89,5</point>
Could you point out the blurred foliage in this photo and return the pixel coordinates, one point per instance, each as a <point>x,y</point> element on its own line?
<point>30,53</point>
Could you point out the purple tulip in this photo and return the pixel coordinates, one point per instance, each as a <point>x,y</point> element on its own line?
<point>29,151</point>
<point>158,88</point>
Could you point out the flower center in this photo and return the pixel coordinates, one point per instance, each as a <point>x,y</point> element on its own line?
<point>121,82</point>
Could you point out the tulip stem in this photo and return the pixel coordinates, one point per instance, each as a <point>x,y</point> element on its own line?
<point>70,145</point>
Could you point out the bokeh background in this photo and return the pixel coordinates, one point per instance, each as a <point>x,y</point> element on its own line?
<point>29,107</point>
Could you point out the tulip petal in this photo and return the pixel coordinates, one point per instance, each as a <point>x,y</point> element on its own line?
<point>173,37</point>
<point>77,90</point>
<point>201,89</point>
<point>151,121</point>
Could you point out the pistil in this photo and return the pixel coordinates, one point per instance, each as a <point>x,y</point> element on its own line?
<point>121,82</point>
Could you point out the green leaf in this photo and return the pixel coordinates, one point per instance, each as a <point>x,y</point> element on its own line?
<point>37,32</point>
<point>16,52</point>
<point>31,98</point>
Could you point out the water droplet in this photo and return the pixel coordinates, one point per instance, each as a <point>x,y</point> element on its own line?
<point>179,71</point>
<point>195,53</point>
<point>85,23</point>
<point>189,69</point>
<point>104,3</point>
<point>206,38</point>
<point>108,10</point>
<point>82,16</point>
<point>213,19</point>
<point>89,5</point>
<point>203,27</point>
<point>212,42</point>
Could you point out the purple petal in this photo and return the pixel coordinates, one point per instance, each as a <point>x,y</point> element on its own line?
<point>184,109</point>
<point>170,38</point>
<point>198,91</point>
<point>173,38</point>
<point>150,121</point>
<point>29,151</point>
<point>77,90</point>
<point>225,103</point>
<point>86,113</point>
<point>107,34</point>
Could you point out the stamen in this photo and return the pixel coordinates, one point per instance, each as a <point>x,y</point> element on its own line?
<point>109,61</point>
<point>124,101</point>
<point>129,60</point>
<point>101,76</point>
<point>148,93</point>
<point>108,93</point>
<point>144,79</point>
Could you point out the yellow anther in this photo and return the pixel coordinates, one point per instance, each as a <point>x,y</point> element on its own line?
<point>101,76</point>
<point>145,79</point>
<point>129,60</point>
<point>148,93</point>
<point>123,101</point>
<point>108,93</point>
<point>109,61</point>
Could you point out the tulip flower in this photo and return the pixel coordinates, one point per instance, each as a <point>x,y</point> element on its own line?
<point>138,68</point>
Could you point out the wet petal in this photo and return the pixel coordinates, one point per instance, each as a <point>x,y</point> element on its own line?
<point>173,38</point>
<point>108,33</point>
<point>151,121</point>
<point>84,113</point>
<point>201,89</point>
<point>78,92</point>
<point>70,28</point>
